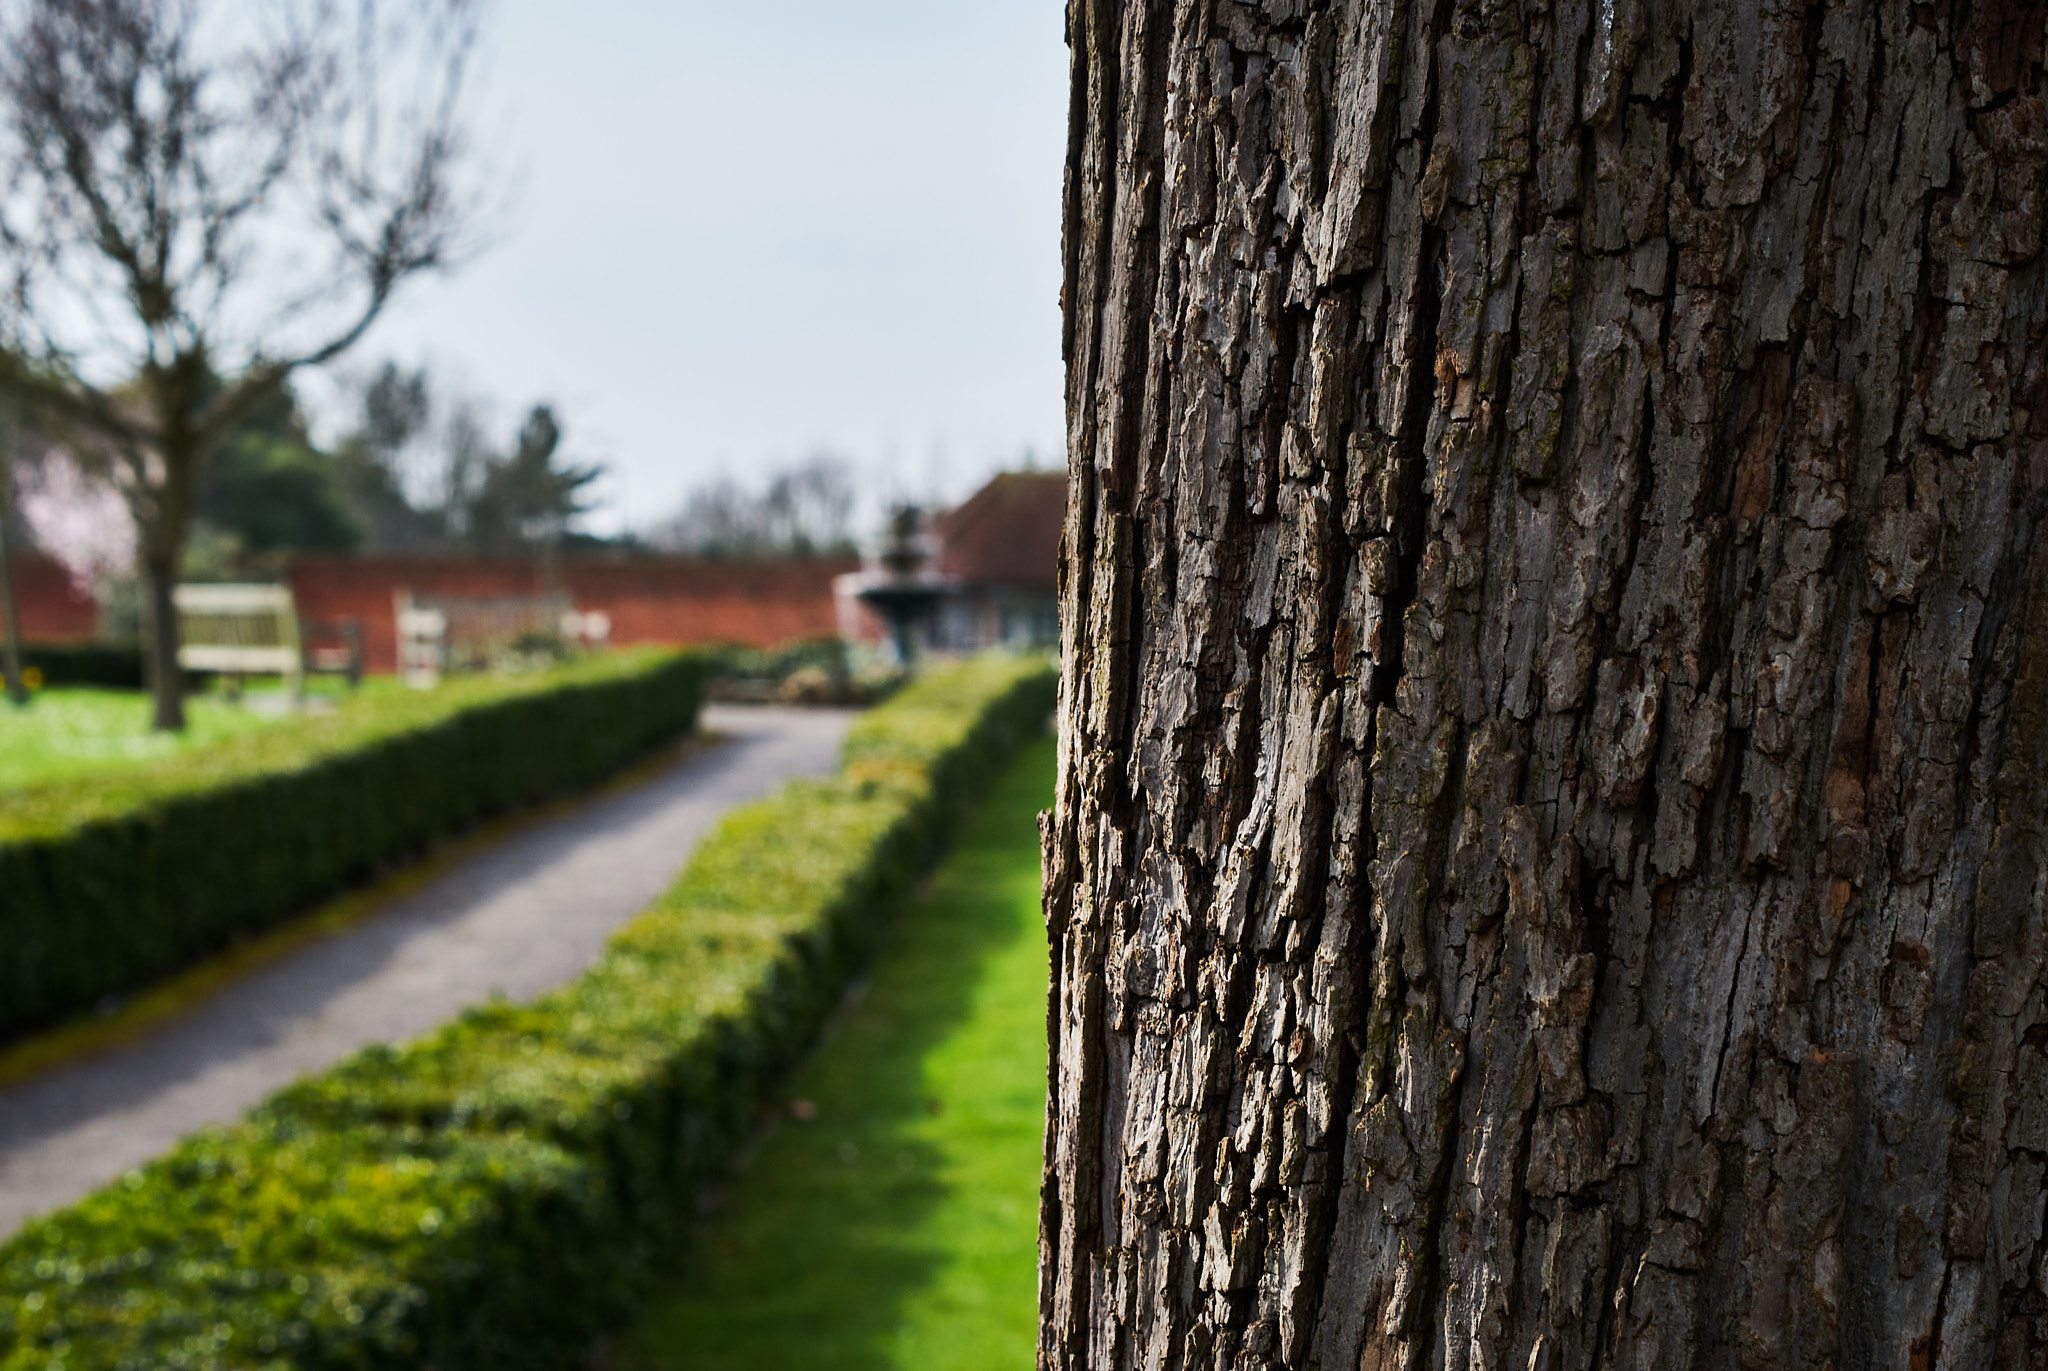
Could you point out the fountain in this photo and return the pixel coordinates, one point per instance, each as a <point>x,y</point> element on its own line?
<point>902,591</point>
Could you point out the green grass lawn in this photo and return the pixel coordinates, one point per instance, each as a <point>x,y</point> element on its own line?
<point>898,1227</point>
<point>68,732</point>
<point>74,731</point>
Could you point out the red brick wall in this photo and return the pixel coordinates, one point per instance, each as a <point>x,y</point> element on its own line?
<point>52,610</point>
<point>650,600</point>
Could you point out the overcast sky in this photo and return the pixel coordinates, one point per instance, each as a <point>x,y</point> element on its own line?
<point>742,232</point>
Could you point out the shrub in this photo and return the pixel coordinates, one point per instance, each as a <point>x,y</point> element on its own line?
<point>111,881</point>
<point>807,670</point>
<point>108,665</point>
<point>496,1193</point>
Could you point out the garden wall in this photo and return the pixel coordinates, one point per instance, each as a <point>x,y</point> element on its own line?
<point>52,609</point>
<point>500,1191</point>
<point>666,600</point>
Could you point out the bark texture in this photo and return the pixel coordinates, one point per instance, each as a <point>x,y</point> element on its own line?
<point>1551,859</point>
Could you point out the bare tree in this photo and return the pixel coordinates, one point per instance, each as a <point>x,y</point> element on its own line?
<point>1551,859</point>
<point>379,460</point>
<point>805,511</point>
<point>200,199</point>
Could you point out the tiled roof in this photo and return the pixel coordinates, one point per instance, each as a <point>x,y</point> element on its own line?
<point>1008,532</point>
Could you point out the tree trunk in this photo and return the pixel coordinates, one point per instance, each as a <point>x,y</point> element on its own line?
<point>10,608</point>
<point>160,627</point>
<point>163,519</point>
<point>1551,858</point>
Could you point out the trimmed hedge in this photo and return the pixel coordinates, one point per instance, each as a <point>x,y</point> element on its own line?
<point>107,665</point>
<point>109,882</point>
<point>496,1193</point>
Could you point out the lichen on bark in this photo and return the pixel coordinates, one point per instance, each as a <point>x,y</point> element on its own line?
<point>1550,867</point>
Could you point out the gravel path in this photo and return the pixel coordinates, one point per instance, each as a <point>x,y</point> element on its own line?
<point>516,919</point>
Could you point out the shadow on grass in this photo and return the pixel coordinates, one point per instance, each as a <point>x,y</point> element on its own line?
<point>896,1225</point>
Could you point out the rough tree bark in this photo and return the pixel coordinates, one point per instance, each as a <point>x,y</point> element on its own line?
<point>1551,858</point>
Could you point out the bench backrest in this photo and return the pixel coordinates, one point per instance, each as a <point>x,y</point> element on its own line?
<point>250,629</point>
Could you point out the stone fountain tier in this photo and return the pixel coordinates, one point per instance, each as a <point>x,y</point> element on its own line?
<point>902,601</point>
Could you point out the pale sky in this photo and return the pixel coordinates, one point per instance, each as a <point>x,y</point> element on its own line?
<point>741,232</point>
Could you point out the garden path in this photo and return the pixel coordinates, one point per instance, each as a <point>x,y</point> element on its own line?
<point>516,919</point>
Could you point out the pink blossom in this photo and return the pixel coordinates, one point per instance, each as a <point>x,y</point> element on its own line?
<point>78,519</point>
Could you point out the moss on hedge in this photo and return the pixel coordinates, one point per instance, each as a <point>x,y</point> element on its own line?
<point>112,881</point>
<point>496,1192</point>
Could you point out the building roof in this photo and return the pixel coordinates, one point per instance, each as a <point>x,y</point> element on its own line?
<point>1008,532</point>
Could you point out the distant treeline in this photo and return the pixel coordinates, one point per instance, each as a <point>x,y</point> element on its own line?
<point>417,472</point>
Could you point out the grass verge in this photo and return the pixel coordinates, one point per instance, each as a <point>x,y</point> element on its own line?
<point>896,1226</point>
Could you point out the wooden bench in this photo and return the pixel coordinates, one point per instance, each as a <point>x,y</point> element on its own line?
<point>240,630</point>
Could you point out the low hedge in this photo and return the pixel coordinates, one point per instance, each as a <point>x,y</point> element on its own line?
<point>111,666</point>
<point>109,882</point>
<point>496,1193</point>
